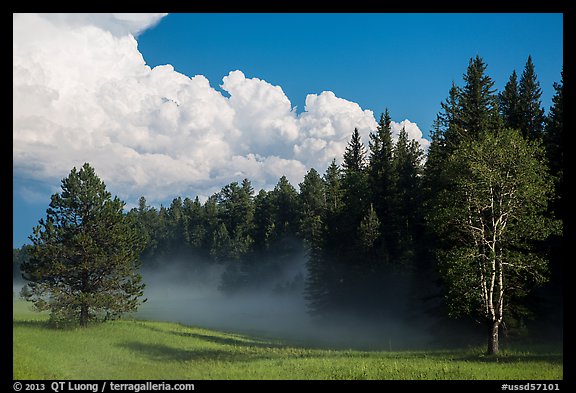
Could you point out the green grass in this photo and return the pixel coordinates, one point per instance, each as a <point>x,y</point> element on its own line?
<point>131,349</point>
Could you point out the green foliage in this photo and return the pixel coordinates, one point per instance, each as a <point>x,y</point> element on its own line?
<point>379,167</point>
<point>284,204</point>
<point>263,221</point>
<point>370,224</point>
<point>222,246</point>
<point>381,177</point>
<point>489,196</point>
<point>355,154</point>
<point>369,229</point>
<point>509,101</point>
<point>520,103</point>
<point>195,219</point>
<point>450,120</point>
<point>236,213</point>
<point>333,184</point>
<point>406,199</point>
<point>494,211</point>
<point>312,206</point>
<point>478,101</point>
<point>554,127</point>
<point>553,141</point>
<point>354,185</point>
<point>531,121</point>
<point>84,257</point>
<point>322,238</point>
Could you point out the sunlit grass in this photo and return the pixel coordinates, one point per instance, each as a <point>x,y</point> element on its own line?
<point>131,349</point>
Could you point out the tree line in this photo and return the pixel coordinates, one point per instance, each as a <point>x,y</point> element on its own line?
<point>480,212</point>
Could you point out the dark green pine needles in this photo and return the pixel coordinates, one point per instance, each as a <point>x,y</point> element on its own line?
<point>84,257</point>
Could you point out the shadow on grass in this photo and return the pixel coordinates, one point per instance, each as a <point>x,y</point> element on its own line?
<point>245,342</point>
<point>51,325</point>
<point>242,341</point>
<point>160,352</point>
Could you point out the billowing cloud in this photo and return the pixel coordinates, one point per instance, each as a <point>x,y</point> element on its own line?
<point>326,126</point>
<point>263,113</point>
<point>82,92</point>
<point>412,130</point>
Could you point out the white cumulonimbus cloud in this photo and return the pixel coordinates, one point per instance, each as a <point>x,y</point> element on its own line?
<point>82,92</point>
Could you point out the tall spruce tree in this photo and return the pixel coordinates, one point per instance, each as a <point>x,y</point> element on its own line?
<point>554,144</point>
<point>333,186</point>
<point>236,215</point>
<point>312,206</point>
<point>146,219</point>
<point>553,131</point>
<point>406,218</point>
<point>236,210</point>
<point>177,226</point>
<point>84,258</point>
<point>284,206</point>
<point>478,101</point>
<point>509,101</point>
<point>381,179</point>
<point>354,178</point>
<point>334,234</point>
<point>553,141</point>
<point>327,272</point>
<point>196,228</point>
<point>380,160</point>
<point>437,154</point>
<point>354,183</point>
<point>530,107</point>
<point>369,232</point>
<point>284,199</point>
<point>313,203</point>
<point>263,222</point>
<point>445,135</point>
<point>450,123</point>
<point>354,154</point>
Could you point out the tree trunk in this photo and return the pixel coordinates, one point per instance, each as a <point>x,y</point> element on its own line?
<point>493,348</point>
<point>84,315</point>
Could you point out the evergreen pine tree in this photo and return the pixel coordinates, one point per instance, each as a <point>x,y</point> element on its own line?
<point>478,101</point>
<point>369,230</point>
<point>449,120</point>
<point>509,101</point>
<point>355,154</point>
<point>354,183</point>
<point>381,177</point>
<point>84,258</point>
<point>333,186</point>
<point>406,218</point>
<point>553,131</point>
<point>263,222</point>
<point>196,226</point>
<point>530,107</point>
<point>380,159</point>
<point>312,205</point>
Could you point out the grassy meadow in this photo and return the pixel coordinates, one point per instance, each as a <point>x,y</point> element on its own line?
<point>133,349</point>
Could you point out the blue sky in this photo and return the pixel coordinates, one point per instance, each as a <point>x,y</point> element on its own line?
<point>405,62</point>
<point>97,88</point>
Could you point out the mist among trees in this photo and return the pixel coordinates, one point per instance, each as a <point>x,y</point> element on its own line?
<point>468,230</point>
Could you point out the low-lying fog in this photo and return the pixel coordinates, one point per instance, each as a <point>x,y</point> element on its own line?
<point>192,297</point>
